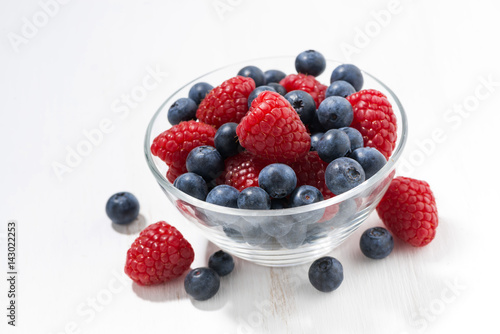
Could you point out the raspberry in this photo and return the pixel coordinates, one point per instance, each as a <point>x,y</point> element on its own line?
<point>242,171</point>
<point>375,120</point>
<point>409,211</point>
<point>227,102</point>
<point>310,170</point>
<point>174,145</point>
<point>159,254</point>
<point>307,83</point>
<point>273,130</point>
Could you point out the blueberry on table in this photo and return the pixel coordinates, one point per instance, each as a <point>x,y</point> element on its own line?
<point>303,104</point>
<point>278,180</point>
<point>349,73</point>
<point>198,92</point>
<point>340,88</point>
<point>257,91</point>
<point>192,184</point>
<point>221,262</point>
<point>310,62</point>
<point>255,73</point>
<point>274,76</point>
<point>202,283</point>
<point>332,145</point>
<point>335,112</point>
<point>205,161</point>
<point>122,208</point>
<point>254,198</point>
<point>370,159</point>
<point>182,110</point>
<point>224,195</point>
<point>343,174</point>
<point>376,243</point>
<point>326,274</point>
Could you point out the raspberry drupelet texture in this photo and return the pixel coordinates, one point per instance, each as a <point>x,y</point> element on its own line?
<point>310,170</point>
<point>307,83</point>
<point>227,102</point>
<point>159,254</point>
<point>242,171</point>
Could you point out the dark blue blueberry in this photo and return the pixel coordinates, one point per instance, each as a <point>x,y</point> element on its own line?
<point>226,141</point>
<point>233,233</point>
<point>355,137</point>
<point>310,62</point>
<point>326,274</point>
<point>192,184</point>
<point>205,161</point>
<point>305,195</point>
<point>314,140</point>
<point>221,262</point>
<point>376,243</point>
<point>182,110</point>
<point>349,73</point>
<point>254,198</point>
<point>303,104</point>
<point>335,112</point>
<point>315,125</point>
<point>202,283</point>
<point>340,88</point>
<point>278,88</point>
<point>122,208</point>
<point>199,90</point>
<point>343,174</point>
<point>274,76</point>
<point>255,73</point>
<point>278,180</point>
<point>370,159</point>
<point>256,93</point>
<point>279,203</point>
<point>333,144</point>
<point>224,195</point>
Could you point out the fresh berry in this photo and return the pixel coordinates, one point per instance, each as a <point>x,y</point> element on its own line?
<point>255,73</point>
<point>295,238</point>
<point>355,137</point>
<point>279,203</point>
<point>202,283</point>
<point>226,140</point>
<point>278,88</point>
<point>182,110</point>
<point>314,140</point>
<point>278,180</point>
<point>376,243</point>
<point>305,195</point>
<point>409,211</point>
<point>307,83</point>
<point>315,125</point>
<point>227,102</point>
<point>254,198</point>
<point>193,185</point>
<point>375,119</point>
<point>221,262</point>
<point>174,145</point>
<point>370,159</point>
<point>122,208</point>
<point>159,254</point>
<point>335,112</point>
<point>310,170</point>
<point>326,274</point>
<point>273,130</point>
<point>242,171</point>
<point>256,93</point>
<point>343,174</point>
<point>198,92</point>
<point>273,76</point>
<point>340,88</point>
<point>224,195</point>
<point>349,73</point>
<point>303,104</point>
<point>205,161</point>
<point>333,144</point>
<point>310,62</point>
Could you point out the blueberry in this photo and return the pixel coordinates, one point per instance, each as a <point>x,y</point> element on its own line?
<point>295,238</point>
<point>376,243</point>
<point>278,88</point>
<point>370,159</point>
<point>332,145</point>
<point>256,93</point>
<point>305,195</point>
<point>205,161</point>
<point>274,76</point>
<point>254,198</point>
<point>122,208</point>
<point>326,274</point>
<point>310,62</point>
<point>279,203</point>
<point>182,110</point>
<point>303,104</point>
<point>199,90</point>
<point>335,112</point>
<point>278,226</point>
<point>202,283</point>
<point>224,195</point>
<point>343,174</point>
<point>340,88</point>
<point>221,262</point>
<point>349,73</point>
<point>314,140</point>
<point>278,180</point>
<point>226,140</point>
<point>255,73</point>
<point>192,184</point>
<point>355,137</point>
<point>315,125</point>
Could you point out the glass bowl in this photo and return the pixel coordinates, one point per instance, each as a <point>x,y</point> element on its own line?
<point>282,237</point>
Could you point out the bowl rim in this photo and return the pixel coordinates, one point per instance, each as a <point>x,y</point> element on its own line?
<point>165,184</point>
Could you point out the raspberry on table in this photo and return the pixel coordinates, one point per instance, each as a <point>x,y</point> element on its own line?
<point>307,83</point>
<point>158,255</point>
<point>242,171</point>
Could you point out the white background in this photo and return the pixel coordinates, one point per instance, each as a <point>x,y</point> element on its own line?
<point>65,78</point>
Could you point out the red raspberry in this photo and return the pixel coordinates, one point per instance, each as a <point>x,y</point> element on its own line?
<point>227,102</point>
<point>409,211</point>
<point>310,170</point>
<point>307,83</point>
<point>374,118</point>
<point>174,145</point>
<point>242,171</point>
<point>273,130</point>
<point>159,254</point>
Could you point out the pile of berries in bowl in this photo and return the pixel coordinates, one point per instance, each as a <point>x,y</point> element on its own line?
<point>271,164</point>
